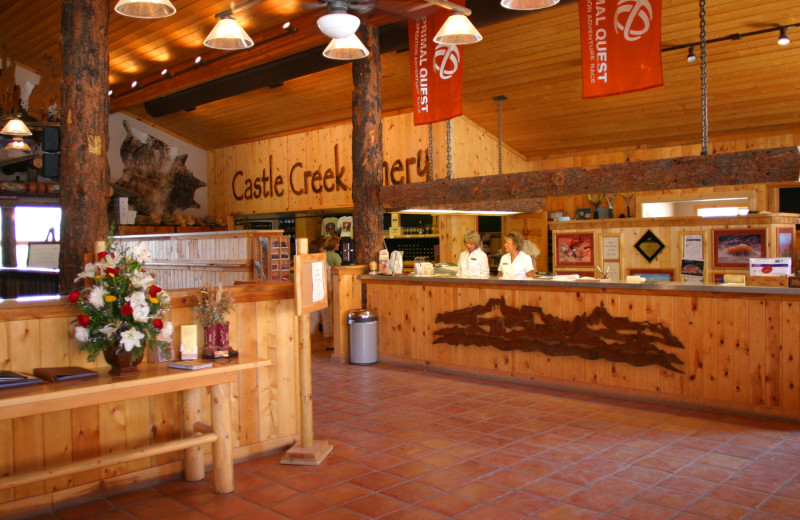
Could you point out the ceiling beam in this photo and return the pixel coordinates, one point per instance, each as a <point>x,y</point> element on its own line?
<point>751,167</point>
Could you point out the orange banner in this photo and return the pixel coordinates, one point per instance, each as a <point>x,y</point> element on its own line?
<point>435,71</point>
<point>620,46</point>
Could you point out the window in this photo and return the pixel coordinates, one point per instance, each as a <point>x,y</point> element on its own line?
<point>32,224</point>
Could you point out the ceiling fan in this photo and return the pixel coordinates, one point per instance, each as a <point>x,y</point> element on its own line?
<point>338,22</point>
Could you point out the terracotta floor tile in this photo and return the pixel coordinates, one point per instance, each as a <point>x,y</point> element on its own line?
<point>619,486</point>
<point>374,506</point>
<point>410,470</point>
<point>408,452</point>
<point>341,493</point>
<point>131,497</point>
<point>523,503</point>
<point>576,476</point>
<point>485,512</point>
<point>448,504</point>
<point>551,489</point>
<point>640,474</point>
<point>440,459</point>
<point>444,480</point>
<point>594,500</point>
<point>480,491</point>
<point>562,457</point>
<point>269,495</point>
<point>376,481</point>
<point>666,497</point>
<point>186,514</point>
<point>725,461</point>
<point>411,492</point>
<point>782,505</point>
<point>309,482</point>
<point>336,514</point>
<point>301,506</point>
<point>662,463</point>
<point>710,473</point>
<point>634,510</point>
<point>566,512</point>
<point>473,469</point>
<point>510,478</point>
<point>718,510</point>
<point>228,507</point>
<point>414,513</point>
<point>155,508</point>
<point>83,510</point>
<point>344,471</point>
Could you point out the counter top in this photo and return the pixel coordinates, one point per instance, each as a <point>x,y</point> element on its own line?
<point>586,284</point>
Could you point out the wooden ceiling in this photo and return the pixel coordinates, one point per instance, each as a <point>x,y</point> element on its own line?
<point>533,59</point>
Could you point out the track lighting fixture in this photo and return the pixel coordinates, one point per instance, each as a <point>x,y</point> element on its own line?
<point>783,39</point>
<point>691,57</point>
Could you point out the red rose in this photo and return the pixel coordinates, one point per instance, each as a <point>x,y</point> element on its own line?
<point>111,272</point>
<point>74,296</point>
<point>83,320</point>
<point>127,309</point>
<point>157,323</point>
<point>154,289</point>
<point>101,255</point>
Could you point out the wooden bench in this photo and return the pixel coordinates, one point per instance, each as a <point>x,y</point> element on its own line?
<point>153,379</point>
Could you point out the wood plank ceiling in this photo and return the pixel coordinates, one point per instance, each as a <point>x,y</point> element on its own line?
<point>533,59</point>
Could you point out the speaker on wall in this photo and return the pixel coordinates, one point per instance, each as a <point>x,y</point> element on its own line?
<point>50,165</point>
<point>51,140</point>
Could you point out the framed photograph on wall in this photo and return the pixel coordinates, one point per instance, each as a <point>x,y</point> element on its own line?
<point>573,249</point>
<point>735,247</point>
<point>785,243</point>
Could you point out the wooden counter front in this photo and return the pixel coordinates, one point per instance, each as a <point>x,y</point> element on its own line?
<point>741,344</point>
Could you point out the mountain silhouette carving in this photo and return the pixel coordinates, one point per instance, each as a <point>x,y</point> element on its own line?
<point>528,329</point>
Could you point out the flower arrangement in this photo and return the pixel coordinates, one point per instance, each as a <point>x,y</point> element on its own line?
<point>212,305</point>
<point>123,309</point>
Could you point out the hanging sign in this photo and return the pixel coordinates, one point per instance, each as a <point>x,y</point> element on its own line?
<point>435,70</point>
<point>620,46</point>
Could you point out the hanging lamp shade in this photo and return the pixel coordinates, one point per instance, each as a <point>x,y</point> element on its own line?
<point>349,48</point>
<point>145,8</point>
<point>527,5</point>
<point>228,35</point>
<point>457,30</point>
<point>18,144</point>
<point>15,127</point>
<point>338,25</point>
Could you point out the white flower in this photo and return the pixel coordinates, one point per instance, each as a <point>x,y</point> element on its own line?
<point>131,339</point>
<point>168,329</point>
<point>141,280</point>
<point>108,330</point>
<point>97,297</point>
<point>90,271</point>
<point>141,313</point>
<point>137,299</point>
<point>140,253</point>
<point>82,334</point>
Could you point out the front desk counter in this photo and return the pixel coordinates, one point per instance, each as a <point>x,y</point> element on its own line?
<point>726,348</point>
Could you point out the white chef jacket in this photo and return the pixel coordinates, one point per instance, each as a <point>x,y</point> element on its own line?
<point>474,264</point>
<point>518,268</point>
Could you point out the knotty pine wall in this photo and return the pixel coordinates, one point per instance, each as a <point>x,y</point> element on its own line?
<point>741,351</point>
<point>265,405</point>
<point>474,152</point>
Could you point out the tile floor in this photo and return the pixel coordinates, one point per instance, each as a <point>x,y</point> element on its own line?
<point>419,445</point>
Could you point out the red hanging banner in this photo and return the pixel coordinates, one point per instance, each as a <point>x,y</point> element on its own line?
<point>620,46</point>
<point>435,70</point>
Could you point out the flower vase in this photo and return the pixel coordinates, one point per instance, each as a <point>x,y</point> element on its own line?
<point>121,363</point>
<point>215,338</point>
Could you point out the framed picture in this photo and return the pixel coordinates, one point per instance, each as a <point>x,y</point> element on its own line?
<point>735,247</point>
<point>786,243</point>
<point>654,275</point>
<point>649,246</point>
<point>610,247</point>
<point>574,250</point>
<point>583,213</point>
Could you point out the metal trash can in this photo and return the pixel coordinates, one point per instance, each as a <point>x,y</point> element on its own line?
<point>363,337</point>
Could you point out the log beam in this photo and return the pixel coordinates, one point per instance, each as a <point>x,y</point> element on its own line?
<point>506,191</point>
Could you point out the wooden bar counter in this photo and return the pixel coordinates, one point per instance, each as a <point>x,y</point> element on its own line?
<point>263,402</point>
<point>726,348</point>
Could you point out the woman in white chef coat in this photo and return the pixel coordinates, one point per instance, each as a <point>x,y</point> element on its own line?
<point>473,263</point>
<point>516,263</point>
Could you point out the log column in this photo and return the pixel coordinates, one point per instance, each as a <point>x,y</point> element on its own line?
<point>367,149</point>
<point>9,237</point>
<point>84,133</point>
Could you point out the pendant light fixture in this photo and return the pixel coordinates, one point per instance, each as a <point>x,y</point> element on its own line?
<point>783,39</point>
<point>228,35</point>
<point>15,127</point>
<point>18,144</point>
<point>527,5</point>
<point>145,8</point>
<point>349,48</point>
<point>338,24</point>
<point>457,30</point>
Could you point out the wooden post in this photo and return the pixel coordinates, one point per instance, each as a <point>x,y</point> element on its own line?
<point>308,452</point>
<point>9,237</point>
<point>84,132</point>
<point>193,467</point>
<point>367,149</point>
<point>222,449</point>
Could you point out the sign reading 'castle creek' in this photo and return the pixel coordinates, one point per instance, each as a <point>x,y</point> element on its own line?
<point>302,181</point>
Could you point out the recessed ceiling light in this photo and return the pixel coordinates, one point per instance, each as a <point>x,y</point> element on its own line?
<point>134,84</point>
<point>164,72</point>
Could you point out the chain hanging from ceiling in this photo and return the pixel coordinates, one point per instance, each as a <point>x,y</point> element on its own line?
<point>500,100</point>
<point>703,77</point>
<point>430,152</point>
<point>449,152</point>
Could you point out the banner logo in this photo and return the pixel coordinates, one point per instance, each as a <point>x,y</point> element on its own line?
<point>446,59</point>
<point>633,18</point>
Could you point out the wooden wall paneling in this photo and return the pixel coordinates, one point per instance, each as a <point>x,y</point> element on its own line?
<point>710,348</point>
<point>689,327</point>
<point>724,340</point>
<point>111,427</point>
<point>164,414</point>
<point>451,235</point>
<point>623,372</point>
<point>756,349</point>
<point>773,357</point>
<point>28,439</point>
<point>576,366</point>
<point>640,313</point>
<point>248,380</point>
<point>236,340</point>
<point>138,430</point>
<point>670,382</point>
<point>411,319</point>
<point>271,383</point>
<point>287,375</point>
<point>470,355</point>
<point>262,415</point>
<point>6,457</point>
<point>86,441</point>
<point>790,340</point>
<point>599,371</point>
<point>741,352</point>
<point>556,308</point>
